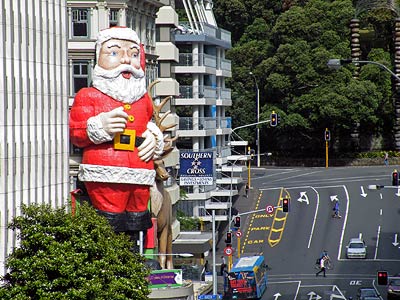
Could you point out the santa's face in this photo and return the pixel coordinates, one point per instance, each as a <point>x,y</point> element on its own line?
<point>118,72</point>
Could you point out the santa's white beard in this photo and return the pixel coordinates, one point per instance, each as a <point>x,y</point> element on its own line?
<point>112,83</point>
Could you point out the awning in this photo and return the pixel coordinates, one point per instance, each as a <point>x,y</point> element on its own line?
<point>195,242</point>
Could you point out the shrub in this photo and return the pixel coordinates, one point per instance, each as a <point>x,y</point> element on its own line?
<point>71,257</point>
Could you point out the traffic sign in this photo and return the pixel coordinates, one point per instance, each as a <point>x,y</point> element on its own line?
<point>269,209</point>
<point>238,233</point>
<point>228,251</point>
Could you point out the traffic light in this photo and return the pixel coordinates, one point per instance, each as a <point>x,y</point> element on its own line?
<point>382,277</point>
<point>285,204</point>
<point>228,239</point>
<point>273,119</point>
<point>395,178</point>
<point>236,221</point>
<point>327,135</point>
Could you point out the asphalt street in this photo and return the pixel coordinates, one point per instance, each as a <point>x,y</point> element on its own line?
<point>291,242</point>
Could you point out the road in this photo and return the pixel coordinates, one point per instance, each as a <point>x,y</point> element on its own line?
<point>291,242</point>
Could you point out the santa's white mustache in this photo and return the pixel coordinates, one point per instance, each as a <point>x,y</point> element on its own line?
<point>137,73</point>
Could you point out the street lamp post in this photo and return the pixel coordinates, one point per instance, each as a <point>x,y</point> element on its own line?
<point>335,63</point>
<point>258,118</point>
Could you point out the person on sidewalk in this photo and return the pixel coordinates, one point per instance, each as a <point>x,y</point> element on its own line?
<point>386,159</point>
<point>223,266</point>
<point>322,266</point>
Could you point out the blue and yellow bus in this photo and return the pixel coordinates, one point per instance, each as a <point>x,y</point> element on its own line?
<point>247,279</point>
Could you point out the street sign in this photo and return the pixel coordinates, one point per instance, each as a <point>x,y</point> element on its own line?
<point>228,251</point>
<point>269,209</point>
<point>238,233</point>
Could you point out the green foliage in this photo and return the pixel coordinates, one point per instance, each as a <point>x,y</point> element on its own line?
<point>187,223</point>
<point>286,45</point>
<point>71,257</point>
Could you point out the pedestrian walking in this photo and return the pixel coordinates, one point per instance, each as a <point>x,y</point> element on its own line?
<point>322,266</point>
<point>336,213</point>
<point>386,159</point>
<point>246,190</point>
<point>223,265</point>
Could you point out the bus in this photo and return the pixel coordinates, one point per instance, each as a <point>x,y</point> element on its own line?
<point>247,279</point>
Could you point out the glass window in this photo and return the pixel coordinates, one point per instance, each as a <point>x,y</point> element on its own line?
<point>80,76</point>
<point>114,17</point>
<point>80,23</point>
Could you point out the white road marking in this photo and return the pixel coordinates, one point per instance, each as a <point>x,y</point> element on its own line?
<point>377,242</point>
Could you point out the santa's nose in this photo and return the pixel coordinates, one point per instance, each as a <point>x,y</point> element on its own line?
<point>125,59</point>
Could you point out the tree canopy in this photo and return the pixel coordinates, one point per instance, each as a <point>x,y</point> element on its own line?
<point>286,45</point>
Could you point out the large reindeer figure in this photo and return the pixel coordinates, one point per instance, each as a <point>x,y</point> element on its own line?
<point>161,206</point>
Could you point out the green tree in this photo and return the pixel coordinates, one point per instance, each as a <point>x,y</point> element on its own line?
<point>71,257</point>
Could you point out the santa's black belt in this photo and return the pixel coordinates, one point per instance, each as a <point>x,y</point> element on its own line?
<point>127,140</point>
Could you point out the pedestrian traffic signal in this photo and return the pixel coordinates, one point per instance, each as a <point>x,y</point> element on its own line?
<point>273,119</point>
<point>395,178</point>
<point>285,204</point>
<point>236,221</point>
<point>327,135</point>
<point>382,277</point>
<point>228,239</point>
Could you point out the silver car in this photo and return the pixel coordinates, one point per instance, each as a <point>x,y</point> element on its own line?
<point>356,248</point>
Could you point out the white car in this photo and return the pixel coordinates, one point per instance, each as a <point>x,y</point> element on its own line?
<point>356,248</point>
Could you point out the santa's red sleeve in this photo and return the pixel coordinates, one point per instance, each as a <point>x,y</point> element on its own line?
<point>82,109</point>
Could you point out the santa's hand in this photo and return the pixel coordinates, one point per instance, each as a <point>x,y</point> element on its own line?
<point>114,121</point>
<point>104,126</point>
<point>147,148</point>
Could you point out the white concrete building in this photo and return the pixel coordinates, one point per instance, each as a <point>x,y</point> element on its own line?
<point>34,114</point>
<point>203,126</point>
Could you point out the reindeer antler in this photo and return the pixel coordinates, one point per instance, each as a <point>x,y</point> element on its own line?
<point>157,109</point>
<point>168,141</point>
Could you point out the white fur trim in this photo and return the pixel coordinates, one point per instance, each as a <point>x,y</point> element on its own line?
<point>111,174</point>
<point>159,139</point>
<point>96,132</point>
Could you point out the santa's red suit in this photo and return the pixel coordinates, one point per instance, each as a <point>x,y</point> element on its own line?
<point>117,181</point>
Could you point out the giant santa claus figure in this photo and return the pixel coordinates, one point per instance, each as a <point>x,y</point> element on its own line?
<point>111,121</point>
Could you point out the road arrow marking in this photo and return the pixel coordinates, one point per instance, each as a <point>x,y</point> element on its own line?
<point>398,192</point>
<point>395,243</point>
<point>277,295</point>
<point>303,198</point>
<point>334,197</point>
<point>362,192</point>
<point>312,294</point>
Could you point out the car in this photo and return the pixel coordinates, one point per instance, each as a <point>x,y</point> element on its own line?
<point>368,293</point>
<point>356,248</point>
<point>393,288</point>
<point>183,29</point>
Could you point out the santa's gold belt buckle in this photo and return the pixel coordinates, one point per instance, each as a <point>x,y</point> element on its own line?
<point>125,140</point>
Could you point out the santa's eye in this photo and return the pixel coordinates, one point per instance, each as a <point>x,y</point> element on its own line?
<point>113,53</point>
<point>135,55</point>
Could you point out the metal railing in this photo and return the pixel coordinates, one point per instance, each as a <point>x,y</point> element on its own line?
<point>201,123</point>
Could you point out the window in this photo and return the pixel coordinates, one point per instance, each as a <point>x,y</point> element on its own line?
<point>114,17</point>
<point>80,23</point>
<point>80,76</point>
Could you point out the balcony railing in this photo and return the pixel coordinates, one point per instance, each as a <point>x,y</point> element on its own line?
<point>190,123</point>
<point>203,91</point>
<point>199,60</point>
<point>224,93</point>
<point>224,122</point>
<point>224,64</point>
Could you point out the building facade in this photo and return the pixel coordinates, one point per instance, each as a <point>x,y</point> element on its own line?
<point>34,124</point>
<point>202,71</point>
